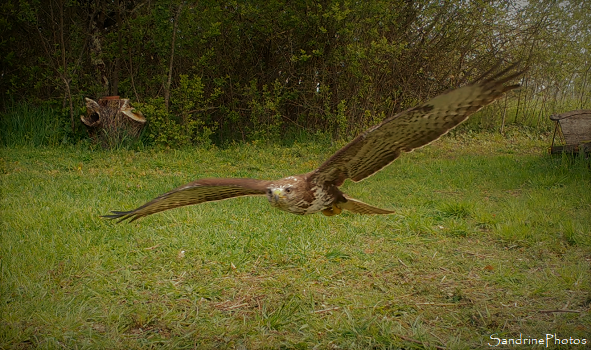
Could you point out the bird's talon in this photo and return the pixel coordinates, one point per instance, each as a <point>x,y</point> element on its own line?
<point>334,210</point>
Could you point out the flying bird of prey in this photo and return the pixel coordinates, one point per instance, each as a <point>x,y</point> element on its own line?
<point>377,147</point>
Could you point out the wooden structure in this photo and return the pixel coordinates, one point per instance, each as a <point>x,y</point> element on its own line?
<point>574,130</point>
<point>112,120</point>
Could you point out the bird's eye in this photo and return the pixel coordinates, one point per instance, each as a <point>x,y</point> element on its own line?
<point>288,190</point>
<point>269,191</point>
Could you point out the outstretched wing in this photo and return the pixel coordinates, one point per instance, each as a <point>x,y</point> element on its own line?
<point>413,128</point>
<point>205,190</point>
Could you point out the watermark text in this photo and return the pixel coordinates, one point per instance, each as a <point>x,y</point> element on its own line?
<point>547,340</point>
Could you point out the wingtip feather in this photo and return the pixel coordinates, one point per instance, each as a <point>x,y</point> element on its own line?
<point>501,77</point>
<point>121,215</point>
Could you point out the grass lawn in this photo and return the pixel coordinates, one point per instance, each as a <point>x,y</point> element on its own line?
<point>491,235</point>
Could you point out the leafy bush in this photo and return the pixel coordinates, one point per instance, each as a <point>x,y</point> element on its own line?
<point>251,70</point>
<point>184,123</point>
<point>265,110</point>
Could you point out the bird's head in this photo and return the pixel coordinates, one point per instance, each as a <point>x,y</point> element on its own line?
<point>284,193</point>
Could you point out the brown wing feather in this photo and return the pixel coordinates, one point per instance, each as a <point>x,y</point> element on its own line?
<point>413,128</point>
<point>204,190</point>
<point>359,207</point>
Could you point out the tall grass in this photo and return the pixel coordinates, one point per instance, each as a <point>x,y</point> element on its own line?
<point>28,125</point>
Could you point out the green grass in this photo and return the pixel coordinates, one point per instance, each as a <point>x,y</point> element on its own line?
<point>490,233</point>
<point>28,125</point>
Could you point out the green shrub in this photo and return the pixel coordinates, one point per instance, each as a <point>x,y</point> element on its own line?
<point>265,110</point>
<point>184,123</point>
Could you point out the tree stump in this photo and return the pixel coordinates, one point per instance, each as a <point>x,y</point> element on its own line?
<point>112,121</point>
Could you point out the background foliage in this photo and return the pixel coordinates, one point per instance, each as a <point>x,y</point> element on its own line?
<point>221,71</point>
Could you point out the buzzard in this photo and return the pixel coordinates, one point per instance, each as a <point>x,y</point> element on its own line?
<point>377,147</point>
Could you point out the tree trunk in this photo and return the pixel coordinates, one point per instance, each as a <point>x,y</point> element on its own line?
<point>169,80</point>
<point>504,115</point>
<point>117,69</point>
<point>96,49</point>
<point>518,105</point>
<point>583,85</point>
<point>65,77</point>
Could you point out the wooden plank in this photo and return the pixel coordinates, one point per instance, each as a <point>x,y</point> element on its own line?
<point>570,114</point>
<point>575,126</point>
<point>576,129</point>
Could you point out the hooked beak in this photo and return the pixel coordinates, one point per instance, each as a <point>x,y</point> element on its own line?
<point>277,194</point>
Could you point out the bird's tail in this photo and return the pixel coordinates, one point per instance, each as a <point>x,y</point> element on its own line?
<point>362,208</point>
